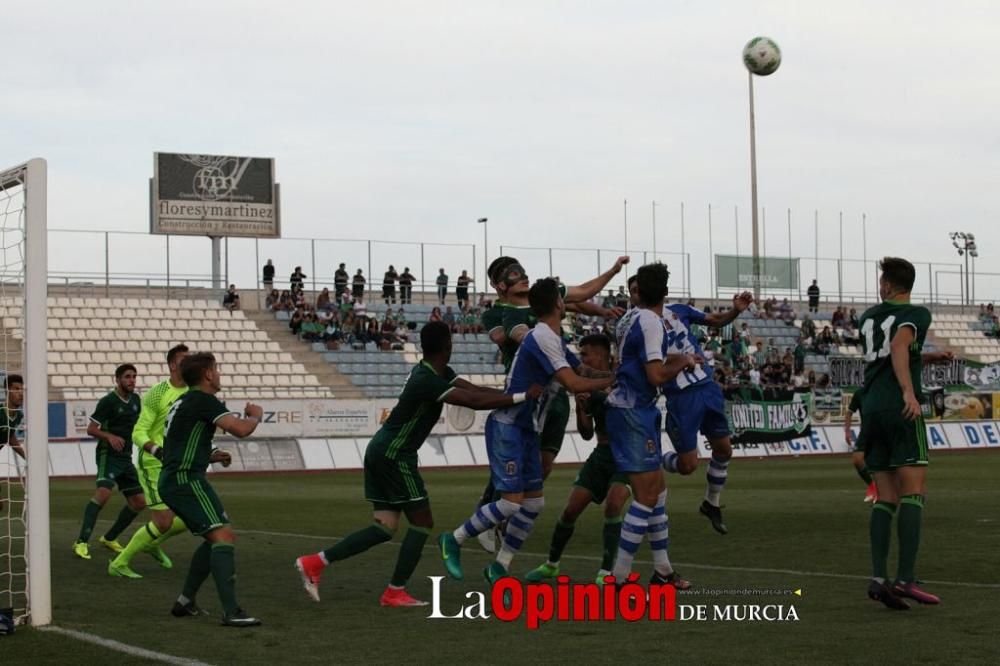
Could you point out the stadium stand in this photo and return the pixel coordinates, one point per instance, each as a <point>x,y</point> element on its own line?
<point>89,337</point>
<point>966,335</point>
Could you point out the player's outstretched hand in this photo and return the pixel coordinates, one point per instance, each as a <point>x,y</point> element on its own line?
<point>220,456</point>
<point>694,360</point>
<point>534,391</point>
<point>116,442</point>
<point>911,408</point>
<point>614,313</point>
<point>253,410</point>
<point>620,262</point>
<point>848,436</point>
<point>742,301</point>
<point>934,358</point>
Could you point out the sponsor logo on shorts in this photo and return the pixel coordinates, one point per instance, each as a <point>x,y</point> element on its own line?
<point>511,468</point>
<point>650,446</point>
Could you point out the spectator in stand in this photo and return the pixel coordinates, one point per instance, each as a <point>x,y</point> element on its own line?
<point>813,293</point>
<point>390,315</point>
<point>850,336</point>
<point>442,286</point>
<point>754,377</point>
<point>300,299</point>
<point>272,301</point>
<point>772,347</point>
<point>340,279</point>
<point>295,323</point>
<point>800,355</point>
<point>435,315</point>
<point>609,300</point>
<point>744,334</point>
<point>621,298</point>
<point>231,299</point>
<point>788,360</point>
<point>799,379</point>
<point>484,303</point>
<point>358,285</point>
<point>345,304</point>
<point>462,290</point>
<point>348,326</point>
<point>323,301</point>
<point>312,329</point>
<point>808,328</point>
<point>989,310</point>
<point>825,341</point>
<point>852,319</point>
<point>359,307</point>
<point>839,317</point>
<point>286,303</point>
<point>786,312</point>
<point>297,279</point>
<point>389,285</point>
<point>267,275</point>
<point>770,308</point>
<point>470,321</point>
<point>401,317</point>
<point>449,318</point>
<point>759,355</point>
<point>406,286</point>
<point>332,330</point>
<point>388,329</point>
<point>811,379</point>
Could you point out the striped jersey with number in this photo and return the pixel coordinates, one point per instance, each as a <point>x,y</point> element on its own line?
<point>878,326</point>
<point>641,340</point>
<point>682,339</point>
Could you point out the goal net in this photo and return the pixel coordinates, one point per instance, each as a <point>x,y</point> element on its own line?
<point>24,526</point>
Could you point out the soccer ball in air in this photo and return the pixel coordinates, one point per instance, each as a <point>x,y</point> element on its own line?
<point>762,56</point>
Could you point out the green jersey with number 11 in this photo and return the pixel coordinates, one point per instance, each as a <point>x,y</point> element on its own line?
<point>878,326</point>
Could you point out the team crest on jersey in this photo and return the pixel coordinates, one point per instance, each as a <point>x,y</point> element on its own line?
<point>511,468</point>
<point>650,446</point>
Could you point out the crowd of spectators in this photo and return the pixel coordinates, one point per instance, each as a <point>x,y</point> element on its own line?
<point>989,320</point>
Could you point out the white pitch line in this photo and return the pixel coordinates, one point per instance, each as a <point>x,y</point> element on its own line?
<point>123,647</point>
<point>686,565</point>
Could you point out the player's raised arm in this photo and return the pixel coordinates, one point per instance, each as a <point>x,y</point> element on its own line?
<point>900,351</point>
<point>591,288</point>
<point>574,383</point>
<point>594,310</point>
<point>719,319</point>
<point>242,427</point>
<point>488,400</point>
<point>460,383</point>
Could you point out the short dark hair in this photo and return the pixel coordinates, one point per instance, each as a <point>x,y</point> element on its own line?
<point>898,272</point>
<point>123,368</point>
<point>194,366</point>
<point>596,340</point>
<point>498,266</point>
<point>174,351</point>
<point>10,380</point>
<point>434,337</point>
<point>631,279</point>
<point>653,280</point>
<point>543,296</point>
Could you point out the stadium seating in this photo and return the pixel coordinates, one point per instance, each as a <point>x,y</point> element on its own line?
<point>966,336</point>
<point>89,337</point>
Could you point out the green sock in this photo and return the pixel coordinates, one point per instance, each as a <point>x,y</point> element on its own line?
<point>357,542</point>
<point>89,520</point>
<point>560,537</point>
<point>865,475</point>
<point>143,537</point>
<point>124,519</point>
<point>201,566</point>
<point>880,533</point>
<point>223,567</point>
<point>176,527</point>
<point>409,554</point>
<point>911,511</point>
<point>612,535</point>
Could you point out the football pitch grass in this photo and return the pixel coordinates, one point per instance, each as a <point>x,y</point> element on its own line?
<point>794,524</point>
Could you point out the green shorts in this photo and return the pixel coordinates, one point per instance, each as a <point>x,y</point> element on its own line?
<point>393,484</point>
<point>892,441</point>
<point>554,430</point>
<point>148,470</point>
<point>112,469</point>
<point>195,503</point>
<point>599,473</point>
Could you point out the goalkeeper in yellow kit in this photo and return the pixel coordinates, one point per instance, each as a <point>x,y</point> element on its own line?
<point>148,439</point>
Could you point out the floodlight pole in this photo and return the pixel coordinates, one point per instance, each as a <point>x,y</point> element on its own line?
<point>753,194</point>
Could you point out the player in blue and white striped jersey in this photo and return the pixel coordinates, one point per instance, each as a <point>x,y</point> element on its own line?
<point>633,422</point>
<point>695,402</point>
<point>512,441</point>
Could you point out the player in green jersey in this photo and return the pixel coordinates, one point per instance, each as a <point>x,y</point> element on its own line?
<point>111,425</point>
<point>893,430</point>
<point>187,453</point>
<point>148,439</point>
<point>392,479</point>
<point>598,481</point>
<point>11,417</point>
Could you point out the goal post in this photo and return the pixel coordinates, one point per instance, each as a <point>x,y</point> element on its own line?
<point>23,215</point>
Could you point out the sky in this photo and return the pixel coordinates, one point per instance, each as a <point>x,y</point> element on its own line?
<point>407,121</point>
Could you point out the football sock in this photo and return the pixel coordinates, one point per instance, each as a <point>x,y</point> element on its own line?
<point>176,527</point>
<point>143,537</point>
<point>357,542</point>
<point>124,519</point>
<point>409,554</point>
<point>670,462</point>
<point>659,536</point>
<point>612,533</point>
<point>560,537</point>
<point>880,533</point>
<point>201,567</point>
<point>911,511</point>
<point>864,474</point>
<point>518,528</point>
<point>718,470</point>
<point>89,520</point>
<point>223,566</point>
<point>485,517</point>
<point>634,528</point>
